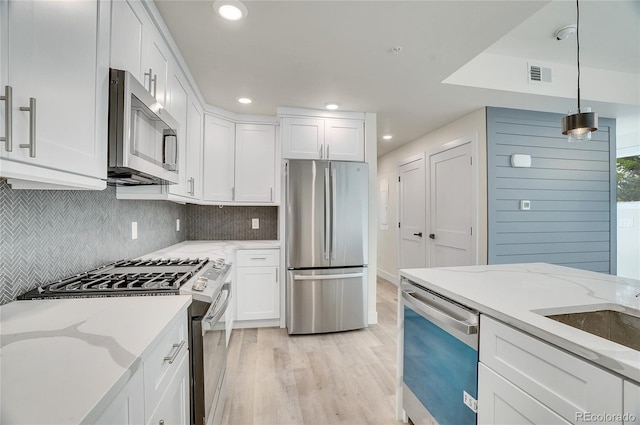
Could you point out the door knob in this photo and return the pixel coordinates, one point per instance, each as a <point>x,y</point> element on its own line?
<point>418,234</point>
<point>432,236</point>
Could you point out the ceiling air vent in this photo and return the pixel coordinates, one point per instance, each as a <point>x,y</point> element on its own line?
<point>538,74</point>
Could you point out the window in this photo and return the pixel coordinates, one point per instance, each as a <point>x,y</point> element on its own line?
<point>628,169</point>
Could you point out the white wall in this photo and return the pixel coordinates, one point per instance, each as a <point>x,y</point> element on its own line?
<point>629,240</point>
<point>472,124</point>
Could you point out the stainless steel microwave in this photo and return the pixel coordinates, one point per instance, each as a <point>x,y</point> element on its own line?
<point>143,136</point>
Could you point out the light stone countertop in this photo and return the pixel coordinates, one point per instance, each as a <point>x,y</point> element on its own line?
<point>63,361</point>
<point>211,249</point>
<point>521,294</point>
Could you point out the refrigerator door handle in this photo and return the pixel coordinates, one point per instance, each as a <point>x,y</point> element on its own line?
<point>333,212</point>
<point>327,276</point>
<point>327,215</point>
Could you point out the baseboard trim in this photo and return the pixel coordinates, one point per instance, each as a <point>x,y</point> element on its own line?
<point>373,317</point>
<point>388,276</point>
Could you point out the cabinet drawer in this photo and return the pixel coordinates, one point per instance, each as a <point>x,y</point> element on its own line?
<point>561,381</point>
<point>258,257</point>
<point>162,363</point>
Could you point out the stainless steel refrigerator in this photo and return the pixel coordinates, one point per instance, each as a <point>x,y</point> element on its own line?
<point>326,246</point>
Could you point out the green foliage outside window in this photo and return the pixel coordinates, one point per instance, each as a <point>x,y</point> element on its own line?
<point>628,179</point>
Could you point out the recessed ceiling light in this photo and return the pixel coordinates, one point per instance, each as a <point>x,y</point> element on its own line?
<point>387,137</point>
<point>332,106</point>
<point>245,100</point>
<point>232,10</point>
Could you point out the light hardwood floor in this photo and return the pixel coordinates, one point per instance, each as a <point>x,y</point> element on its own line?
<point>337,378</point>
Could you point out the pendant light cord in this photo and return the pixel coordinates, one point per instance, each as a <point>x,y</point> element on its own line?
<point>578,49</point>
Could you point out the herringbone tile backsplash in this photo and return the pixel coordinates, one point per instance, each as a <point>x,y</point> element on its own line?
<point>206,222</point>
<point>48,235</point>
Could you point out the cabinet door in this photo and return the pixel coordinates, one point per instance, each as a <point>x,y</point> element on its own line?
<point>258,293</point>
<point>58,54</point>
<point>500,402</point>
<point>156,66</point>
<point>218,155</point>
<point>128,406</point>
<point>178,108</point>
<point>344,140</point>
<point>303,138</point>
<point>128,22</point>
<point>631,408</point>
<point>255,172</point>
<point>173,407</point>
<point>194,149</point>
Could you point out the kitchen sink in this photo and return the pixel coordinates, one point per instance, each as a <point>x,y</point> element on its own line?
<point>617,326</point>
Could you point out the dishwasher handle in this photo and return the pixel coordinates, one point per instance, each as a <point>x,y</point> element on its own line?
<point>432,313</point>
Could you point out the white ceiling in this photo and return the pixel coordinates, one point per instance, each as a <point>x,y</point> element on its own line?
<point>306,53</point>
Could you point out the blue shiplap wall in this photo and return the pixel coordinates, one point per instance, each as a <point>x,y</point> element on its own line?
<point>571,187</point>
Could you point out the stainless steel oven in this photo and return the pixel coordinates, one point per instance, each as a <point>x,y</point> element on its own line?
<point>440,358</point>
<point>209,362</point>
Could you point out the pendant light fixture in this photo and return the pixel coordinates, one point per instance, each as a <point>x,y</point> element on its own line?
<point>579,124</point>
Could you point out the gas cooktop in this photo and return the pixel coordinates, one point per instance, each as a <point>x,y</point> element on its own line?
<point>123,278</point>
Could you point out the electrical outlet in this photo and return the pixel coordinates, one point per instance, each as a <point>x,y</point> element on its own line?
<point>134,230</point>
<point>469,401</point>
<point>255,223</point>
<point>177,224</point>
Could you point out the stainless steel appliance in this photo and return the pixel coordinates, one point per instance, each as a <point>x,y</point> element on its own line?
<point>440,358</point>
<point>326,246</point>
<point>206,281</point>
<point>143,145</point>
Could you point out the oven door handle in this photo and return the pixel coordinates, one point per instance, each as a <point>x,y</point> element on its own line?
<point>433,313</point>
<point>215,312</point>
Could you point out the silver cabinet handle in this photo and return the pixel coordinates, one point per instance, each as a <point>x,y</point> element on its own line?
<point>8,119</point>
<point>258,258</point>
<point>321,148</point>
<point>277,280</point>
<point>172,357</point>
<point>328,146</point>
<point>271,195</point>
<point>32,127</point>
<point>192,186</point>
<point>155,84</point>
<point>149,74</point>
<point>233,193</point>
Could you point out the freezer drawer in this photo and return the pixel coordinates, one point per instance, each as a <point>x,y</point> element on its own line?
<point>328,300</point>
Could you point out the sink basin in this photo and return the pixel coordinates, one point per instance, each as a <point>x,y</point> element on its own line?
<point>616,326</point>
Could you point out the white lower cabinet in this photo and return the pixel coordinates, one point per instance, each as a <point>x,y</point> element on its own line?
<point>158,393</point>
<point>173,407</point>
<point>563,383</point>
<point>128,406</point>
<point>501,402</point>
<point>631,407</point>
<point>258,284</point>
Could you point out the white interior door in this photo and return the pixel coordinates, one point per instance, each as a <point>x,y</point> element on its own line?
<point>412,215</point>
<point>451,207</point>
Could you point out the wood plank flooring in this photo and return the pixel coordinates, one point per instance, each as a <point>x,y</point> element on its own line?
<point>337,378</point>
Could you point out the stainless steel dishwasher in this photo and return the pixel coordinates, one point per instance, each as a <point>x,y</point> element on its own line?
<point>440,358</point>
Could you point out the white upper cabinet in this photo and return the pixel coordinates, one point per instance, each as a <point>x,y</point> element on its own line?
<point>138,47</point>
<point>303,138</point>
<point>55,61</point>
<point>177,105</point>
<point>323,138</point>
<point>218,159</point>
<point>255,172</point>
<point>344,140</point>
<point>195,130</point>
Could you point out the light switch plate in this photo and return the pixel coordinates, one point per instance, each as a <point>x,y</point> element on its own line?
<point>525,205</point>
<point>134,230</point>
<point>255,223</point>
